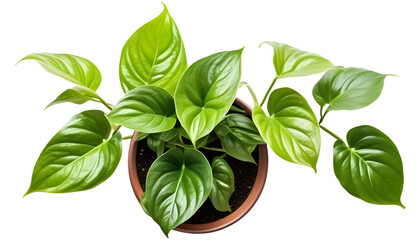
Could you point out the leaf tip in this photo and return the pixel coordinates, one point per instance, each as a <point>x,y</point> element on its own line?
<point>28,192</point>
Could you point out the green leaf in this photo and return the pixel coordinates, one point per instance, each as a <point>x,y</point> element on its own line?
<point>79,157</point>
<point>142,136</point>
<point>291,129</point>
<point>236,109</point>
<point>154,55</point>
<point>243,127</point>
<point>370,168</point>
<point>292,62</point>
<point>235,147</point>
<point>177,185</point>
<point>147,109</point>
<point>168,135</point>
<point>206,92</point>
<point>223,184</point>
<point>73,68</point>
<point>76,95</point>
<point>156,144</point>
<point>348,88</point>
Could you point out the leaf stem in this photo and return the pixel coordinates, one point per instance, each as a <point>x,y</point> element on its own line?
<point>269,90</point>
<point>323,115</point>
<point>331,133</point>
<point>105,103</point>
<point>127,137</point>
<point>214,149</point>
<point>251,91</point>
<point>116,129</point>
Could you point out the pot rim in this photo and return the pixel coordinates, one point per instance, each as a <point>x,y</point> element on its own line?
<point>223,222</point>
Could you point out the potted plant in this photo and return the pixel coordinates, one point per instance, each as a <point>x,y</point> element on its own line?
<point>195,133</point>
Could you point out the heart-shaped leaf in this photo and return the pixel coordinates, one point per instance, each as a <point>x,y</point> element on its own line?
<point>73,68</point>
<point>348,88</point>
<point>79,157</point>
<point>76,95</point>
<point>291,129</point>
<point>155,144</point>
<point>370,168</point>
<point>223,184</point>
<point>147,109</point>
<point>154,55</point>
<point>243,127</point>
<point>234,146</point>
<point>206,92</point>
<point>177,185</point>
<point>292,62</point>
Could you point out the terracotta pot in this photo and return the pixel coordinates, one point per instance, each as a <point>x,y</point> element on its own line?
<point>231,218</point>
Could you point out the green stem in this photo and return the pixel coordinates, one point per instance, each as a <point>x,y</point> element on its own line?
<point>323,115</point>
<point>127,137</point>
<point>183,145</point>
<point>269,90</point>
<point>251,91</point>
<point>116,129</point>
<point>331,133</point>
<point>214,149</point>
<point>105,103</point>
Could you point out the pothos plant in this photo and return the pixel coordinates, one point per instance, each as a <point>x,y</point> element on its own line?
<point>181,110</point>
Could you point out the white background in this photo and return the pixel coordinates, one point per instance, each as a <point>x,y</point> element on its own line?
<point>296,203</point>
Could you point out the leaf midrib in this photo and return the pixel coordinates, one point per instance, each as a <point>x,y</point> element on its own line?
<point>71,163</point>
<point>177,187</point>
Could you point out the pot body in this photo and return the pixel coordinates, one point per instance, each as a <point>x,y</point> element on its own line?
<point>231,218</point>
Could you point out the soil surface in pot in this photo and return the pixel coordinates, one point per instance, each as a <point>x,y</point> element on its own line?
<point>244,172</point>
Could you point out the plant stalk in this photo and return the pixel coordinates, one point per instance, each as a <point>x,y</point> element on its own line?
<point>331,133</point>
<point>214,149</point>
<point>105,103</point>
<point>127,137</point>
<point>269,90</point>
<point>251,91</point>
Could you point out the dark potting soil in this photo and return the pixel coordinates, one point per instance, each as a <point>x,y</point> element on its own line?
<point>244,172</point>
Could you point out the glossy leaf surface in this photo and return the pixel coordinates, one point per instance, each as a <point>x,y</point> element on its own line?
<point>155,144</point>
<point>206,92</point>
<point>147,109</point>
<point>292,62</point>
<point>370,167</point>
<point>154,55</point>
<point>76,95</point>
<point>243,127</point>
<point>348,88</point>
<point>73,68</point>
<point>79,157</point>
<point>223,184</point>
<point>291,129</point>
<point>177,184</point>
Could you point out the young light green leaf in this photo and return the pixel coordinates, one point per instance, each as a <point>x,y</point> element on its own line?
<point>370,168</point>
<point>154,55</point>
<point>147,109</point>
<point>292,62</point>
<point>206,91</point>
<point>155,144</point>
<point>348,88</point>
<point>223,184</point>
<point>79,157</point>
<point>177,185</point>
<point>291,129</point>
<point>76,95</point>
<point>73,68</point>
